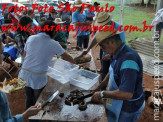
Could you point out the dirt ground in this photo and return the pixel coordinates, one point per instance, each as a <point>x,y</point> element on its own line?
<point>17,99</point>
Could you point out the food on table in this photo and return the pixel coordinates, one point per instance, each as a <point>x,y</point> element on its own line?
<point>13,85</point>
<point>84,59</point>
<point>82,106</point>
<point>67,102</point>
<point>61,94</point>
<point>74,98</point>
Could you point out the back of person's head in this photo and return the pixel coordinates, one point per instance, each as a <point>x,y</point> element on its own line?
<point>49,24</point>
<point>29,12</point>
<point>25,20</point>
<point>12,10</point>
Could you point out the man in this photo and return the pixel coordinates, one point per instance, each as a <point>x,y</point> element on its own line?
<point>39,51</point>
<point>5,114</point>
<point>52,15</point>
<point>66,16</point>
<point>125,96</point>
<point>89,14</point>
<point>96,4</point>
<point>21,36</point>
<point>103,19</point>
<point>61,36</point>
<point>79,19</point>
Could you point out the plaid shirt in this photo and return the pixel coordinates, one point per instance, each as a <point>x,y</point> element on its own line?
<point>20,40</point>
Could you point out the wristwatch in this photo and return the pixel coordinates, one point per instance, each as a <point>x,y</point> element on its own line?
<point>102,94</point>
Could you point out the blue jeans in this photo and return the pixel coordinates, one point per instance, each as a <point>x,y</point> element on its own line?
<point>131,117</point>
<point>83,41</point>
<point>32,96</point>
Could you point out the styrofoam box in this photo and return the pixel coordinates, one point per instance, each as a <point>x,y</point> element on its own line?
<point>84,79</point>
<point>61,70</point>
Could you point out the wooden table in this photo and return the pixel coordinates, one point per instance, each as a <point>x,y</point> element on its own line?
<point>58,111</point>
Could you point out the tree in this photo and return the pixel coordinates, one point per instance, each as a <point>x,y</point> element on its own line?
<point>149,2</point>
<point>142,2</point>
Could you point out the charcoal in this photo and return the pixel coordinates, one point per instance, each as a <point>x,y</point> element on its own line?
<point>61,95</point>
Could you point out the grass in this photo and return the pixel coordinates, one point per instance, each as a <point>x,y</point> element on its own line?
<point>133,16</point>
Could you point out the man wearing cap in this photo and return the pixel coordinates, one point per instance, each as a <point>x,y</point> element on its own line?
<point>95,5</point>
<point>125,96</point>
<point>79,19</point>
<point>104,18</point>
<point>61,36</point>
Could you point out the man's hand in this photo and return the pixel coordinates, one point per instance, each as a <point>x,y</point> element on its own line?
<point>33,110</point>
<point>85,52</point>
<point>96,98</point>
<point>106,57</point>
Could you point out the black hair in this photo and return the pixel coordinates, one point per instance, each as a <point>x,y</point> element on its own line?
<point>25,20</point>
<point>50,24</point>
<point>29,12</point>
<point>12,10</point>
<point>96,3</point>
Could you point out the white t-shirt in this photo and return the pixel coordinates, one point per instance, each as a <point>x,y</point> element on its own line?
<point>40,50</point>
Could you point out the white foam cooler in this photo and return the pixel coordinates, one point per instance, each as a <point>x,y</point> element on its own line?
<point>84,79</point>
<point>61,70</point>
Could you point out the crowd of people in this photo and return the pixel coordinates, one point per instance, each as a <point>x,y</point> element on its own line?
<point>123,91</point>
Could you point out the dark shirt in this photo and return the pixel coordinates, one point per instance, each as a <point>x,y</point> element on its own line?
<point>50,18</point>
<point>128,74</point>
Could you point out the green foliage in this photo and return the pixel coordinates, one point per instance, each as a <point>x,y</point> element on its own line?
<point>133,16</point>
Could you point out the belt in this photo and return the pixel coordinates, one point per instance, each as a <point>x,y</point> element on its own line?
<point>34,73</point>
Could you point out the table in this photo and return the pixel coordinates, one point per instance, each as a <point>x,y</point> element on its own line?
<point>58,111</point>
<point>11,50</point>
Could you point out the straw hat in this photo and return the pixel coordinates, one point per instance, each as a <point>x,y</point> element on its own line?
<point>103,18</point>
<point>58,21</point>
<point>78,3</point>
<point>102,35</point>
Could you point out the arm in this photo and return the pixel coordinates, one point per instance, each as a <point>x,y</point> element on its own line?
<point>116,94</point>
<point>10,39</point>
<point>93,43</point>
<point>19,117</point>
<point>103,83</point>
<point>68,58</point>
<point>82,23</point>
<point>62,44</point>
